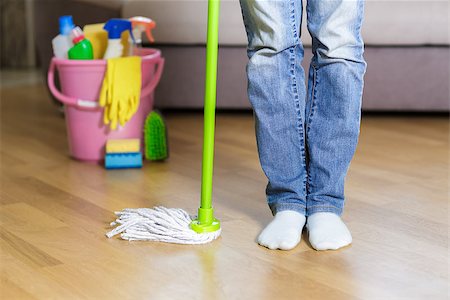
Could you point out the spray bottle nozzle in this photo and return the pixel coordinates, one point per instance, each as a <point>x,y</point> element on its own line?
<point>115,27</point>
<point>144,24</point>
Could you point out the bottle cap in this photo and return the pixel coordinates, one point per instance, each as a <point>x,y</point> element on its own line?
<point>115,27</point>
<point>65,25</point>
<point>77,35</point>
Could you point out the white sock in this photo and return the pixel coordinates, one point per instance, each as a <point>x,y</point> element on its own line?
<point>284,232</point>
<point>327,231</point>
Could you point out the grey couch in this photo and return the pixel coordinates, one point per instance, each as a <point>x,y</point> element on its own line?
<point>407,50</point>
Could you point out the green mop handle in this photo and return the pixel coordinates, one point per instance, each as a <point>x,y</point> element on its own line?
<point>205,221</point>
<point>212,44</point>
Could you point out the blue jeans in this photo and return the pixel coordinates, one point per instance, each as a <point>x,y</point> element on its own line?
<point>306,137</point>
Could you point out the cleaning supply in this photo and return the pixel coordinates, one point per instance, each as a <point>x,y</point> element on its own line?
<point>123,160</point>
<point>141,25</point>
<point>175,225</point>
<point>81,82</point>
<point>123,153</point>
<point>115,27</point>
<point>155,137</point>
<point>123,146</point>
<point>82,48</point>
<point>98,38</point>
<point>62,42</point>
<point>121,90</point>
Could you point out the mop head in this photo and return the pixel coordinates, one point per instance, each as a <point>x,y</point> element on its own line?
<point>159,224</point>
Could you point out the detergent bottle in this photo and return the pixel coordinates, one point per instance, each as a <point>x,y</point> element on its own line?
<point>115,27</point>
<point>83,48</point>
<point>141,25</point>
<point>62,42</point>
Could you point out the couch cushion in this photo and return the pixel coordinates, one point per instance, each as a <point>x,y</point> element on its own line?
<point>386,22</point>
<point>184,22</point>
<point>115,4</point>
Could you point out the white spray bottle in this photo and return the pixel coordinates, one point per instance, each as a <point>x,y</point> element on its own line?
<point>115,27</point>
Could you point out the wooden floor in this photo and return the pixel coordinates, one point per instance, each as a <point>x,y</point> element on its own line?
<point>55,211</point>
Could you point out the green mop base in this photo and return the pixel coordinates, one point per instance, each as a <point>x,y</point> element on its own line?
<point>204,228</point>
<point>205,221</point>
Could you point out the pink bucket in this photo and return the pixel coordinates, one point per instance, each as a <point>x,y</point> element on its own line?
<point>81,82</point>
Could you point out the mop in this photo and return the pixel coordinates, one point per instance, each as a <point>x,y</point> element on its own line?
<point>173,225</point>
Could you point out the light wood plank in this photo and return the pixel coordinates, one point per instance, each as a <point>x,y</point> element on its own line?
<point>55,211</point>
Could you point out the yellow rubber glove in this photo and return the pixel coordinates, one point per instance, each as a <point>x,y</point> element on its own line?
<point>121,90</point>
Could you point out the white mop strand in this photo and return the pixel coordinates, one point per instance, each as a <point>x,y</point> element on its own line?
<point>170,225</point>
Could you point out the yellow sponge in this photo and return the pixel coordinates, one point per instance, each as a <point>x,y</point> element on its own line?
<point>98,38</point>
<point>123,146</point>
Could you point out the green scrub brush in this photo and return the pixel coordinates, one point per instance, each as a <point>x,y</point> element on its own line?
<point>155,137</point>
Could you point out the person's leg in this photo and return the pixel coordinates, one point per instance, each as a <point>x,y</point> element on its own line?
<point>277,93</point>
<point>333,113</point>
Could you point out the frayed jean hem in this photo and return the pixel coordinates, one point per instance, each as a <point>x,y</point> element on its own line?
<point>324,208</point>
<point>277,207</point>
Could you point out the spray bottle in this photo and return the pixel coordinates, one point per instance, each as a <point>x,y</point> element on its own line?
<point>83,48</point>
<point>115,27</point>
<point>62,42</point>
<point>141,25</point>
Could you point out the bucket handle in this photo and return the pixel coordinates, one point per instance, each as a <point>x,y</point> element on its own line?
<point>92,105</point>
<point>155,79</point>
<point>80,103</point>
